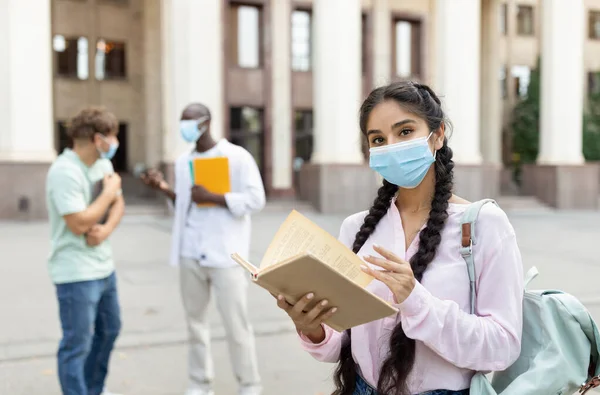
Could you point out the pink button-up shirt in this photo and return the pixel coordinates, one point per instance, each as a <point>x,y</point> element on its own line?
<point>451,344</point>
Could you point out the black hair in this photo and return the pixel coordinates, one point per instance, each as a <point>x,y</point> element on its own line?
<point>420,100</point>
<point>198,110</point>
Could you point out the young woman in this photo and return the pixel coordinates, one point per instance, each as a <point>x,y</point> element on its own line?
<point>410,241</point>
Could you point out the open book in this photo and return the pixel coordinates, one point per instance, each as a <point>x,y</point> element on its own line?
<point>304,258</point>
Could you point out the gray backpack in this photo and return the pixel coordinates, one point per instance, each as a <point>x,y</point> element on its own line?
<point>560,341</point>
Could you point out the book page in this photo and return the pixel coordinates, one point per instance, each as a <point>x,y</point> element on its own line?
<point>298,235</point>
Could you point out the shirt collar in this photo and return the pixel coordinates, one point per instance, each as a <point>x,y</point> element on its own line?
<point>72,156</point>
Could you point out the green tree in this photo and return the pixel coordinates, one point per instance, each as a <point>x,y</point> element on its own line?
<point>591,128</point>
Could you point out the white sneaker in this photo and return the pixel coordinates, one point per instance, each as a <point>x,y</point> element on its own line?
<point>251,390</point>
<point>105,392</point>
<point>197,391</point>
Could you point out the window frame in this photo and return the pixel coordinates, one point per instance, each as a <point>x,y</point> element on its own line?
<point>504,19</point>
<point>125,57</point>
<point>55,61</point>
<point>591,31</point>
<point>417,51</point>
<point>307,131</point>
<point>521,32</point>
<point>242,133</point>
<point>311,54</point>
<point>231,31</point>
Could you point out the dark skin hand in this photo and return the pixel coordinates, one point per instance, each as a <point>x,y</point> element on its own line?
<point>202,195</point>
<point>155,180</point>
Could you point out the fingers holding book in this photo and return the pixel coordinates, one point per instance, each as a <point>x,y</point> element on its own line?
<point>396,274</point>
<point>308,321</point>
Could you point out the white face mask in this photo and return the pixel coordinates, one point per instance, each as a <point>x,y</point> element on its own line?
<point>112,150</point>
<point>404,164</point>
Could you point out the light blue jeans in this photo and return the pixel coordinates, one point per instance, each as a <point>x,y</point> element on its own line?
<point>362,388</point>
<point>91,321</point>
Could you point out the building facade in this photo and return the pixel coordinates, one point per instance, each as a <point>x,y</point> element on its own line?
<point>285,79</point>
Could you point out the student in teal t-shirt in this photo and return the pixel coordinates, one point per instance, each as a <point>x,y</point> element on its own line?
<point>81,263</point>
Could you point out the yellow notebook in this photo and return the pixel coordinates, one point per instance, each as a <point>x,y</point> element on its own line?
<point>212,174</point>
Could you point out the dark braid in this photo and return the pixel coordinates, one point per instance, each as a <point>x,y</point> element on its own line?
<point>345,373</point>
<point>423,102</point>
<point>378,210</point>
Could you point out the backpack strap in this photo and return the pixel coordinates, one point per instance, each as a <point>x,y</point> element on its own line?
<point>468,240</point>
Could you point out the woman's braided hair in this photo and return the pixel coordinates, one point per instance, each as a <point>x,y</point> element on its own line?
<point>423,102</point>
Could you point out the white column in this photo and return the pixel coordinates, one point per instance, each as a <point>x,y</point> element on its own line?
<point>458,38</point>
<point>27,131</point>
<point>282,93</point>
<point>192,66</point>
<point>337,81</point>
<point>491,94</point>
<point>382,42</point>
<point>561,90</point>
<point>153,97</point>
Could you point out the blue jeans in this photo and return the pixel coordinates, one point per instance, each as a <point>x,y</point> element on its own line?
<point>90,320</point>
<point>362,388</point>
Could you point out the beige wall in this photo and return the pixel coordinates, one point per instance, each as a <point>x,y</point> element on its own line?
<point>138,100</point>
<point>418,6</point>
<point>95,19</point>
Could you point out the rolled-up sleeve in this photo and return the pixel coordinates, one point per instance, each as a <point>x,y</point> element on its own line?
<point>251,198</point>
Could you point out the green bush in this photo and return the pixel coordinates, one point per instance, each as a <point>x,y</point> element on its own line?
<point>591,129</point>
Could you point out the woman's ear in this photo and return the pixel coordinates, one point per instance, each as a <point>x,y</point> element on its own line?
<point>439,136</point>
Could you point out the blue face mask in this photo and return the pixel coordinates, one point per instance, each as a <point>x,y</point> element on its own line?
<point>112,149</point>
<point>404,164</point>
<point>189,129</point>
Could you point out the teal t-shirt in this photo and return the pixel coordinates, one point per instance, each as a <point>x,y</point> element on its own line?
<point>69,185</point>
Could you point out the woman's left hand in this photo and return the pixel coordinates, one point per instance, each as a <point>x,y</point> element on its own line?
<point>396,274</point>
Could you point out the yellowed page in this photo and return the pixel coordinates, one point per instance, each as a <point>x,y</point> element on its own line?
<point>298,235</point>
<point>245,264</point>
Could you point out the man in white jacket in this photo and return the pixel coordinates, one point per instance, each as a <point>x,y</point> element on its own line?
<point>202,242</point>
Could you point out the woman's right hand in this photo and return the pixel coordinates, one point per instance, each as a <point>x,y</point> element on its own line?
<point>308,323</point>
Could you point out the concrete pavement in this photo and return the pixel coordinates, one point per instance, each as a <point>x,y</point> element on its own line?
<point>151,354</point>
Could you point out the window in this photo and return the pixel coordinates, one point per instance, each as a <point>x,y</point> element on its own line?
<point>525,20</point>
<point>301,40</point>
<point>503,19</point>
<point>62,140</point>
<point>303,126</point>
<point>247,130</point>
<point>71,57</point>
<point>593,83</point>
<point>110,60</point>
<point>407,48</point>
<point>246,34</point>
<point>594,28</point>
<point>521,74</point>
